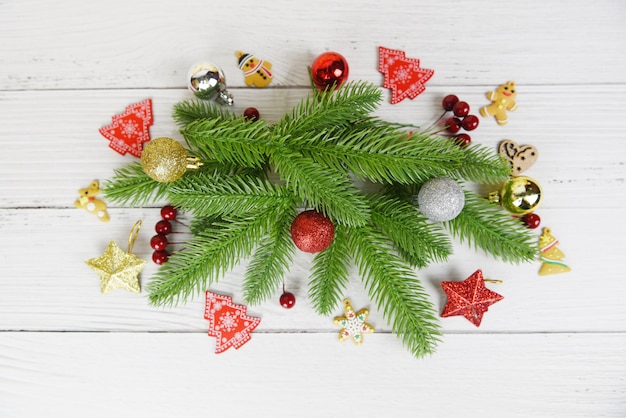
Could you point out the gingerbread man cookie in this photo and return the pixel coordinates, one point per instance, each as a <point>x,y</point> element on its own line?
<point>503,99</point>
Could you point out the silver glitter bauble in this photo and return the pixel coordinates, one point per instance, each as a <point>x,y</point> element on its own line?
<point>441,199</point>
<point>207,82</point>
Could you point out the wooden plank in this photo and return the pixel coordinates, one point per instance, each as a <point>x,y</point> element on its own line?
<point>44,164</point>
<point>47,286</point>
<point>475,43</point>
<point>310,375</point>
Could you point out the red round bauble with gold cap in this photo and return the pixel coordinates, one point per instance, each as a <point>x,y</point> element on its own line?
<point>329,70</point>
<point>312,231</point>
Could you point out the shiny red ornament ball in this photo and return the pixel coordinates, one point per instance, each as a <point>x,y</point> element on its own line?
<point>330,69</point>
<point>169,212</point>
<point>287,300</point>
<point>312,231</point>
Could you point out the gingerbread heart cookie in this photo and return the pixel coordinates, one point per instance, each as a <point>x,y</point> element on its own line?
<point>521,157</point>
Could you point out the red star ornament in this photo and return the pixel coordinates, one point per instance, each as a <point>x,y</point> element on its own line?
<point>228,322</point>
<point>129,130</point>
<point>403,75</point>
<point>469,298</point>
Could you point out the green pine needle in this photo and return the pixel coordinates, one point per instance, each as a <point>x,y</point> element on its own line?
<point>329,274</point>
<point>329,191</point>
<point>131,186</point>
<point>206,256</point>
<point>330,108</point>
<point>419,241</point>
<point>398,294</point>
<point>217,194</point>
<point>235,141</point>
<point>487,226</point>
<point>189,111</point>
<point>272,258</point>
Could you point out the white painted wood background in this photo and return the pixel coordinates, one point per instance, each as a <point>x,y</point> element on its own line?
<point>554,347</point>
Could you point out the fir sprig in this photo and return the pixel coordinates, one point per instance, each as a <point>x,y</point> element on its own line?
<point>189,111</point>
<point>271,259</point>
<point>206,256</point>
<point>398,294</point>
<point>329,274</point>
<point>131,186</point>
<point>214,193</point>
<point>418,240</point>
<point>485,225</point>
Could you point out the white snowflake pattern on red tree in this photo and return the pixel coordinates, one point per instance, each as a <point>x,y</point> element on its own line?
<point>228,322</point>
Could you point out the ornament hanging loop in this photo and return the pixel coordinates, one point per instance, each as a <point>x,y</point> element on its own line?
<point>132,237</point>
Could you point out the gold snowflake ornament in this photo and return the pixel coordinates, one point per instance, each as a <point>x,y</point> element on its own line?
<point>353,324</point>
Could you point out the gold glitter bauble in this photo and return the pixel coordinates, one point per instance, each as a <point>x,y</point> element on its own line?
<point>520,195</point>
<point>165,160</point>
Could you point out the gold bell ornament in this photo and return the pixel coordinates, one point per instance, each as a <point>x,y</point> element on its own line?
<point>519,195</point>
<point>165,160</point>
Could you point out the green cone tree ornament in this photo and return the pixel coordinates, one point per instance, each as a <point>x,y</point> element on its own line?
<point>317,150</point>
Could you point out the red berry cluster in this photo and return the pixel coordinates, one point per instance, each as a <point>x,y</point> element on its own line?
<point>461,119</point>
<point>163,228</point>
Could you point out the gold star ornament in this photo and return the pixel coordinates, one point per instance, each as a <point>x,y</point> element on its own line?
<point>353,324</point>
<point>119,269</point>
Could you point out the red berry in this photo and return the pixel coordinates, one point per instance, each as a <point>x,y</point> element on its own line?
<point>461,109</point>
<point>287,300</point>
<point>158,242</point>
<point>531,220</point>
<point>312,232</point>
<point>160,257</point>
<point>251,113</point>
<point>470,122</point>
<point>462,140</point>
<point>163,227</point>
<point>453,125</point>
<point>168,212</point>
<point>449,101</point>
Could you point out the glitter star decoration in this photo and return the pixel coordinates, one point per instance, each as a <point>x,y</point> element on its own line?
<point>353,324</point>
<point>119,269</point>
<point>228,322</point>
<point>469,298</point>
<point>403,75</point>
<point>129,130</point>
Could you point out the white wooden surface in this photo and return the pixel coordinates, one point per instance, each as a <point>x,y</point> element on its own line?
<point>554,347</point>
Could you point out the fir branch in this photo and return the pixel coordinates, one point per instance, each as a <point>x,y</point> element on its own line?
<point>487,226</point>
<point>189,111</point>
<point>352,101</point>
<point>218,194</point>
<point>206,256</point>
<point>272,258</point>
<point>419,241</point>
<point>398,294</point>
<point>329,274</point>
<point>329,191</point>
<point>235,141</point>
<point>384,153</point>
<point>131,186</point>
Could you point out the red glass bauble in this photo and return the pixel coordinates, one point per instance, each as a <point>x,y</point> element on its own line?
<point>287,300</point>
<point>168,212</point>
<point>251,114</point>
<point>329,70</point>
<point>163,227</point>
<point>312,231</point>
